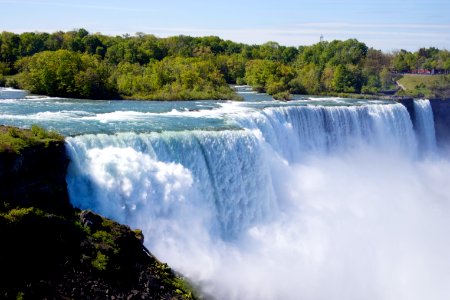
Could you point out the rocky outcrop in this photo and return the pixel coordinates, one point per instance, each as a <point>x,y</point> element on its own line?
<point>50,250</point>
<point>82,256</point>
<point>36,177</point>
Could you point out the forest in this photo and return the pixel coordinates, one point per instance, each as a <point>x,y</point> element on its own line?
<point>79,64</point>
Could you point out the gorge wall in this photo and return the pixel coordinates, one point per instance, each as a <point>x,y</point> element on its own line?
<point>441,111</point>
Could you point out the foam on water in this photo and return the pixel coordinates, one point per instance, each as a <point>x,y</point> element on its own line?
<point>424,123</point>
<point>305,202</point>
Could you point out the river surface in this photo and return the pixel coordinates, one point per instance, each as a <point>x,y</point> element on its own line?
<point>75,117</point>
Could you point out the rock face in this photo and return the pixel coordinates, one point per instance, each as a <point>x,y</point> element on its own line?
<point>50,250</point>
<point>441,112</point>
<point>36,177</point>
<point>57,257</point>
<point>441,115</point>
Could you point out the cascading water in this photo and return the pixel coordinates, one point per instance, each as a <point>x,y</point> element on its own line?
<point>228,171</point>
<point>128,174</point>
<point>311,202</point>
<point>296,131</point>
<point>424,123</point>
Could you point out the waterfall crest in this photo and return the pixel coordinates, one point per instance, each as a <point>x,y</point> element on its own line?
<point>228,173</point>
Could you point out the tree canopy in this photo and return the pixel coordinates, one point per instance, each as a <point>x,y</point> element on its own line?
<point>91,65</point>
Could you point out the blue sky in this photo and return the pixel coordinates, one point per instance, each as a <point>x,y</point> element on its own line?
<point>386,25</point>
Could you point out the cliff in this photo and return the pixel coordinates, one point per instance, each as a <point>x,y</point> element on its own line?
<point>441,113</point>
<point>54,251</point>
<point>33,170</point>
<point>441,116</point>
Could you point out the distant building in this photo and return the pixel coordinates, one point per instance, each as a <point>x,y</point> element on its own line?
<point>422,71</point>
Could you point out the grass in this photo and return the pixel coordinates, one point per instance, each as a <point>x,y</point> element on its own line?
<point>420,85</point>
<point>14,140</point>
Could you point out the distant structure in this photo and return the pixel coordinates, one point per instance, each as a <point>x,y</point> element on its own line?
<point>321,38</point>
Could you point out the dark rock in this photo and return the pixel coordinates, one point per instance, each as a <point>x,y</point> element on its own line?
<point>441,115</point>
<point>97,260</point>
<point>36,177</point>
<point>441,112</point>
<point>91,220</point>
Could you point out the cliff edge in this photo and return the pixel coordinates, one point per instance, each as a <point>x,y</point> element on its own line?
<point>50,249</point>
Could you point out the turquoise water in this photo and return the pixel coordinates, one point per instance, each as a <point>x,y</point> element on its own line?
<point>75,117</point>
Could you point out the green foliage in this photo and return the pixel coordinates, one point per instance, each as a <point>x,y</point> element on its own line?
<point>309,79</point>
<point>100,262</point>
<point>232,67</point>
<point>372,85</point>
<point>441,87</point>
<point>83,65</point>
<point>269,76</point>
<point>41,133</point>
<point>404,61</point>
<point>105,240</point>
<point>12,83</point>
<point>181,285</point>
<point>386,79</point>
<point>282,96</point>
<point>18,214</point>
<point>258,72</point>
<point>426,86</point>
<point>20,296</point>
<point>15,140</point>
<point>346,79</point>
<point>67,74</point>
<point>172,79</point>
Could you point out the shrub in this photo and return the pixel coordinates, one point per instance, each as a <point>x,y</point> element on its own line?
<point>100,262</point>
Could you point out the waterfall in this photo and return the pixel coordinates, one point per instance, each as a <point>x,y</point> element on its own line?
<point>311,202</point>
<point>424,124</point>
<point>228,173</point>
<point>298,131</point>
<point>124,173</point>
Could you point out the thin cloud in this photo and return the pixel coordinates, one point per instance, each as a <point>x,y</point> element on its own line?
<point>373,25</point>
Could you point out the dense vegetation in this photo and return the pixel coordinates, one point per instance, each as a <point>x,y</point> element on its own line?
<point>49,250</point>
<point>80,64</point>
<point>14,140</point>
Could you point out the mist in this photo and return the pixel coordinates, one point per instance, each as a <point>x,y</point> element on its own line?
<point>357,226</point>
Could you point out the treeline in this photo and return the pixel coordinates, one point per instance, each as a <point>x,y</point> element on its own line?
<point>84,65</point>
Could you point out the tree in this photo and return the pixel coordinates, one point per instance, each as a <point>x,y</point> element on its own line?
<point>9,48</point>
<point>309,78</point>
<point>347,79</point>
<point>404,61</point>
<point>93,45</point>
<point>66,73</point>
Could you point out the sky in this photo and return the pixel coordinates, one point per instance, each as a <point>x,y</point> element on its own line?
<point>384,24</point>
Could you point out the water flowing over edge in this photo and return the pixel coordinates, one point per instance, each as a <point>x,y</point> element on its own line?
<point>221,186</point>
<point>229,170</point>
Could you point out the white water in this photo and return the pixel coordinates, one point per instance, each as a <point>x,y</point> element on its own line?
<point>425,126</point>
<point>10,93</point>
<point>305,203</point>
